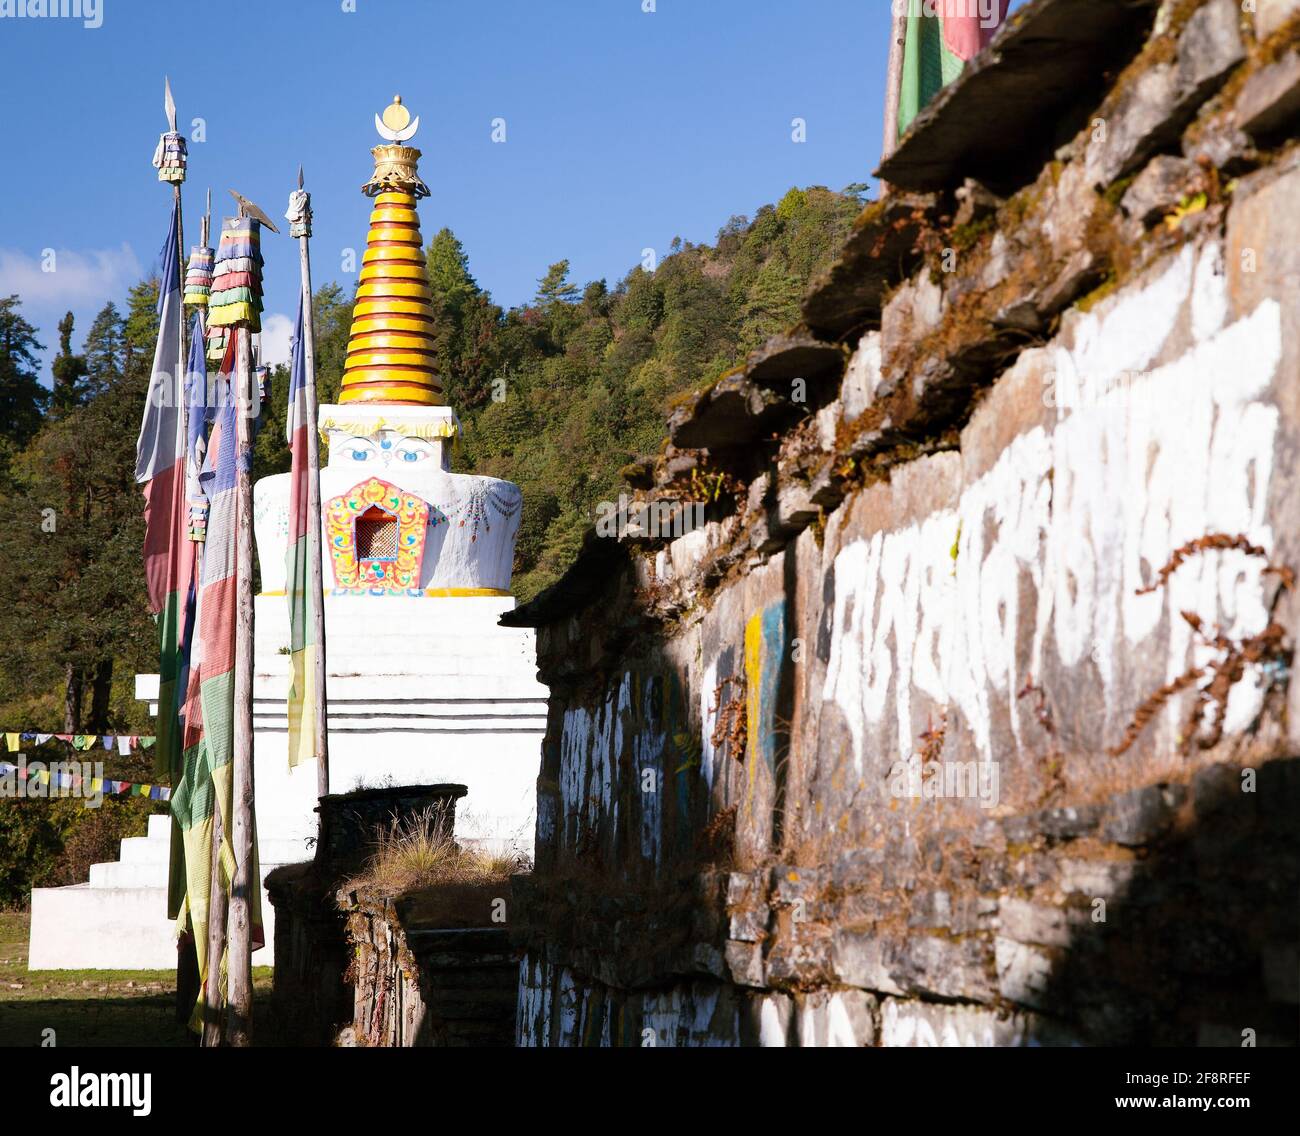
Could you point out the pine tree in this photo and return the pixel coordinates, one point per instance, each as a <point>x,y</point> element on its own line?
<point>69,371</point>
<point>105,350</point>
<point>140,330</point>
<point>554,287</point>
<point>332,313</point>
<point>449,275</point>
<point>22,398</point>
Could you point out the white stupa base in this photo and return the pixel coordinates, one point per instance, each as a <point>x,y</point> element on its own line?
<point>421,690</point>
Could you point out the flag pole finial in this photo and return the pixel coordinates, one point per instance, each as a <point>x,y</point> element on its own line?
<point>169,104</point>
<point>251,209</point>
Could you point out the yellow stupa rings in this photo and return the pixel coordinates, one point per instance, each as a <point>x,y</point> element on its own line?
<point>371,324</point>
<point>400,214</point>
<point>412,385</point>
<point>393,272</point>
<point>393,307</point>
<point>391,356</point>
<point>401,289</point>
<point>376,254</point>
<point>390,359</point>
<point>394,394</point>
<point>396,234</point>
<point>401,340</point>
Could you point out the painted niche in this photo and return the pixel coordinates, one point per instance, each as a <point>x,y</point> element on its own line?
<point>376,535</point>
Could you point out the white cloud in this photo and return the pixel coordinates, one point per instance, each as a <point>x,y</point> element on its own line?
<point>68,278</point>
<point>277,339</point>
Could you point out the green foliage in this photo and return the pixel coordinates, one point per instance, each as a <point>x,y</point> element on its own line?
<point>22,398</point>
<point>104,352</point>
<point>52,843</point>
<point>584,376</point>
<point>69,371</point>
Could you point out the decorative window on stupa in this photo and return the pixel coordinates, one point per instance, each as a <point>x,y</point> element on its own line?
<point>376,535</point>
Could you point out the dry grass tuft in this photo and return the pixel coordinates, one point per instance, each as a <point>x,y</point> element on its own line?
<point>416,852</point>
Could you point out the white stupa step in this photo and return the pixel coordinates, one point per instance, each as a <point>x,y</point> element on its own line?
<point>160,827</point>
<point>451,689</point>
<point>125,874</point>
<point>83,927</point>
<point>413,725</point>
<point>448,709</point>
<point>101,928</point>
<point>392,645</point>
<point>145,850</point>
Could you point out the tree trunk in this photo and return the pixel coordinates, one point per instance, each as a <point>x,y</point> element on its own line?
<point>72,681</point>
<point>101,689</point>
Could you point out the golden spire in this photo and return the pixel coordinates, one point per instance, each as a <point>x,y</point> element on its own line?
<point>390,351</point>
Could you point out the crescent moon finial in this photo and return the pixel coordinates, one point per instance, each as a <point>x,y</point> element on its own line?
<point>396,124</point>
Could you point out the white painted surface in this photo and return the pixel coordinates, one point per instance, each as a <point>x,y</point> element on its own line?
<point>472,543</point>
<point>421,689</point>
<point>1141,460</point>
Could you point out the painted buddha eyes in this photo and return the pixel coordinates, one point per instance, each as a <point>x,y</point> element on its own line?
<point>360,450</point>
<point>412,452</point>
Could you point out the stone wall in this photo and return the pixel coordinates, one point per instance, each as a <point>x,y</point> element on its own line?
<point>418,982</point>
<point>967,717</point>
<point>314,976</point>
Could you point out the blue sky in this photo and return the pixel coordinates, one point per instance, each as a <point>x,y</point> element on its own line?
<point>624,128</point>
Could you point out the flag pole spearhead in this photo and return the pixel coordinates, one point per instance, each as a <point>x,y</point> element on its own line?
<point>250,209</point>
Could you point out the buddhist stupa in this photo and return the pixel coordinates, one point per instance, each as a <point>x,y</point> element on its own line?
<point>424,684</point>
<point>396,520</point>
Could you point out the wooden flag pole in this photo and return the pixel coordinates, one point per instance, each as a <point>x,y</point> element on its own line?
<point>893,84</point>
<point>217,912</point>
<point>240,967</point>
<point>315,570</point>
<point>187,979</point>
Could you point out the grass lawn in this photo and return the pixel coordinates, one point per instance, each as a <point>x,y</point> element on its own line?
<point>90,1007</point>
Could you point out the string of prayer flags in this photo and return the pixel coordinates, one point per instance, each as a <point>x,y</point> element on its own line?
<point>92,786</point>
<point>941,38</point>
<point>125,744</point>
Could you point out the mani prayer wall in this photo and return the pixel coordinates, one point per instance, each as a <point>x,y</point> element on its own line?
<point>967,717</point>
